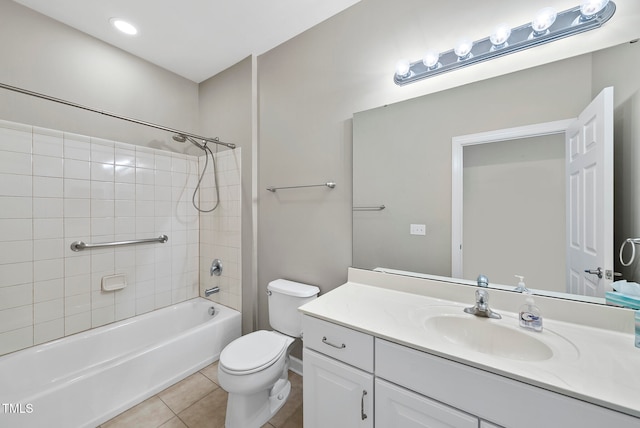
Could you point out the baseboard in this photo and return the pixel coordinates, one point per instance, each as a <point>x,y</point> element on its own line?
<point>295,365</point>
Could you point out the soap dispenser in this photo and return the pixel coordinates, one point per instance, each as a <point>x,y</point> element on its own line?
<point>521,288</point>
<point>530,315</point>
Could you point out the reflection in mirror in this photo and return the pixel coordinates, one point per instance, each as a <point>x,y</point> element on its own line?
<point>402,158</point>
<point>514,211</point>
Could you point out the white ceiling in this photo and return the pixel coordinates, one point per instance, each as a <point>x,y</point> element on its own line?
<point>195,39</point>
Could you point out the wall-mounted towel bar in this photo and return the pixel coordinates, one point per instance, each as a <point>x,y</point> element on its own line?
<point>372,208</point>
<point>79,245</point>
<point>329,184</point>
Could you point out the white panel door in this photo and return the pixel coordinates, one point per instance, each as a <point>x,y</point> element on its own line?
<point>399,407</point>
<point>589,186</point>
<point>335,395</point>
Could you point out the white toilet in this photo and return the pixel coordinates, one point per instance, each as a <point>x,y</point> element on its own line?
<point>253,369</point>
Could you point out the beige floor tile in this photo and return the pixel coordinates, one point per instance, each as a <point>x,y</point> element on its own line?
<point>294,421</point>
<point>186,392</point>
<point>293,402</point>
<point>173,423</point>
<point>150,413</point>
<point>211,371</point>
<point>209,412</point>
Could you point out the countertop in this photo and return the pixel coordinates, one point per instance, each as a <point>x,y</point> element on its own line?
<point>597,365</point>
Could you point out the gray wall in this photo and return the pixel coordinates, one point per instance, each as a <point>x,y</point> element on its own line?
<point>402,157</point>
<point>42,55</point>
<point>226,112</point>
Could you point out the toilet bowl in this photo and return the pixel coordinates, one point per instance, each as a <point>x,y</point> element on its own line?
<point>254,368</point>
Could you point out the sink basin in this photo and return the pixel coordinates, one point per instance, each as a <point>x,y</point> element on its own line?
<point>489,337</point>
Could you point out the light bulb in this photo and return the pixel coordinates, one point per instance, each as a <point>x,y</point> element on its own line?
<point>543,20</point>
<point>124,26</point>
<point>430,59</point>
<point>500,35</point>
<point>588,8</point>
<point>403,68</point>
<point>463,48</point>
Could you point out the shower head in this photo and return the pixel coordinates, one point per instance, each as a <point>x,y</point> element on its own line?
<point>180,138</point>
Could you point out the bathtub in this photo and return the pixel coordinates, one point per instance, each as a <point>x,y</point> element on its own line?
<point>86,379</point>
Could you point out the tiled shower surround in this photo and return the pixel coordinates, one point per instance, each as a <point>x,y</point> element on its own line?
<point>56,188</point>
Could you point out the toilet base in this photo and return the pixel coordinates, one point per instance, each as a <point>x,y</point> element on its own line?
<point>254,410</point>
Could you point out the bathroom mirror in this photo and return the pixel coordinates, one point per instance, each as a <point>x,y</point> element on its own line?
<point>402,161</point>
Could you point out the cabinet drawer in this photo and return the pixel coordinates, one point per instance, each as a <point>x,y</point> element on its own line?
<point>349,346</point>
<point>503,401</point>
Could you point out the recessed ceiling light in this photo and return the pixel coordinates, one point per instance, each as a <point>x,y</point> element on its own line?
<point>124,26</point>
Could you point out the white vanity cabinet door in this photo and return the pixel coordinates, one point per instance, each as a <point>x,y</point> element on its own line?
<point>335,395</point>
<point>399,407</point>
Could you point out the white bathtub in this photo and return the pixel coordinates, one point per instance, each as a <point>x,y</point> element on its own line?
<point>85,379</point>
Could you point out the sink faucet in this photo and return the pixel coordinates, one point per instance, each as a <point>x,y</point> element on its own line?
<point>481,308</point>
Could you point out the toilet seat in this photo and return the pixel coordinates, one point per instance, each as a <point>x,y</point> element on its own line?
<point>253,352</point>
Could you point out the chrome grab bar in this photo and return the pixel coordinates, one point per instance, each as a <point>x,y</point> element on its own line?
<point>329,184</point>
<point>80,245</point>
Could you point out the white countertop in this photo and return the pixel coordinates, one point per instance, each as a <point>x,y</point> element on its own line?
<point>597,365</point>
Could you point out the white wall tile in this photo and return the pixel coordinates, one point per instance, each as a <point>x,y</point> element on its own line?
<point>48,207</point>
<point>48,228</point>
<point>77,169</point>
<point>48,311</point>
<point>16,251</point>
<point>15,318</point>
<point>48,290</point>
<point>15,163</point>
<point>45,249</point>
<point>15,185</point>
<point>15,229</point>
<point>125,191</point>
<point>102,151</point>
<point>74,285</point>
<point>102,316</point>
<point>16,295</point>
<point>77,208</point>
<point>15,207</point>
<point>77,189</point>
<point>76,323</point>
<point>145,176</point>
<point>102,190</point>
<point>16,339</point>
<point>145,209</point>
<point>48,187</point>
<point>163,162</point>
<point>125,154</point>
<point>102,208</point>
<point>44,270</point>
<point>125,208</point>
<point>16,273</point>
<point>102,226</point>
<point>75,266</point>
<point>145,158</point>
<point>77,304</point>
<point>77,147</point>
<point>125,174</point>
<point>47,331</point>
<point>102,172</point>
<point>47,166</point>
<point>145,304</point>
<point>47,142</point>
<point>125,309</point>
<point>15,137</point>
<point>145,192</point>
<point>77,228</point>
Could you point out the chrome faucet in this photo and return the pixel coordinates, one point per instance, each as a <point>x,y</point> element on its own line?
<point>208,292</point>
<point>481,308</point>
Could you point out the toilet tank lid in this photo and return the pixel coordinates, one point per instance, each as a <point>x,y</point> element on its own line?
<point>292,288</point>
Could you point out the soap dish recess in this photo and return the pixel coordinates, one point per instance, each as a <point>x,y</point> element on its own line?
<point>114,282</point>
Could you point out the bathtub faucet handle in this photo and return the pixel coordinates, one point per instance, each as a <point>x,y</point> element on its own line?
<point>209,291</point>
<point>216,267</point>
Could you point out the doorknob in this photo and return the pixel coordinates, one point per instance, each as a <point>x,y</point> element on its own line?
<point>595,272</point>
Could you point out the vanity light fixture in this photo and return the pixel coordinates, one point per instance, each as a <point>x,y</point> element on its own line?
<point>124,26</point>
<point>546,26</point>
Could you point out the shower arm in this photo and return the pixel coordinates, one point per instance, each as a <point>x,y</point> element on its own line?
<point>115,116</point>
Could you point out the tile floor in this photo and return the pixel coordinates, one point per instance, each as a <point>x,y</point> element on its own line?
<point>199,402</point>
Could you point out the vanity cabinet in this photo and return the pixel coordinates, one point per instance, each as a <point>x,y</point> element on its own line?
<point>338,380</point>
<point>411,388</point>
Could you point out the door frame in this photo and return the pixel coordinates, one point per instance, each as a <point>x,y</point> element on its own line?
<point>457,145</point>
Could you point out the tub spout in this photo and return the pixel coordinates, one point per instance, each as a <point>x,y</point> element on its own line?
<point>208,292</point>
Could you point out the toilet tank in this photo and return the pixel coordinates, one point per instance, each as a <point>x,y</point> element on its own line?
<point>285,297</point>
